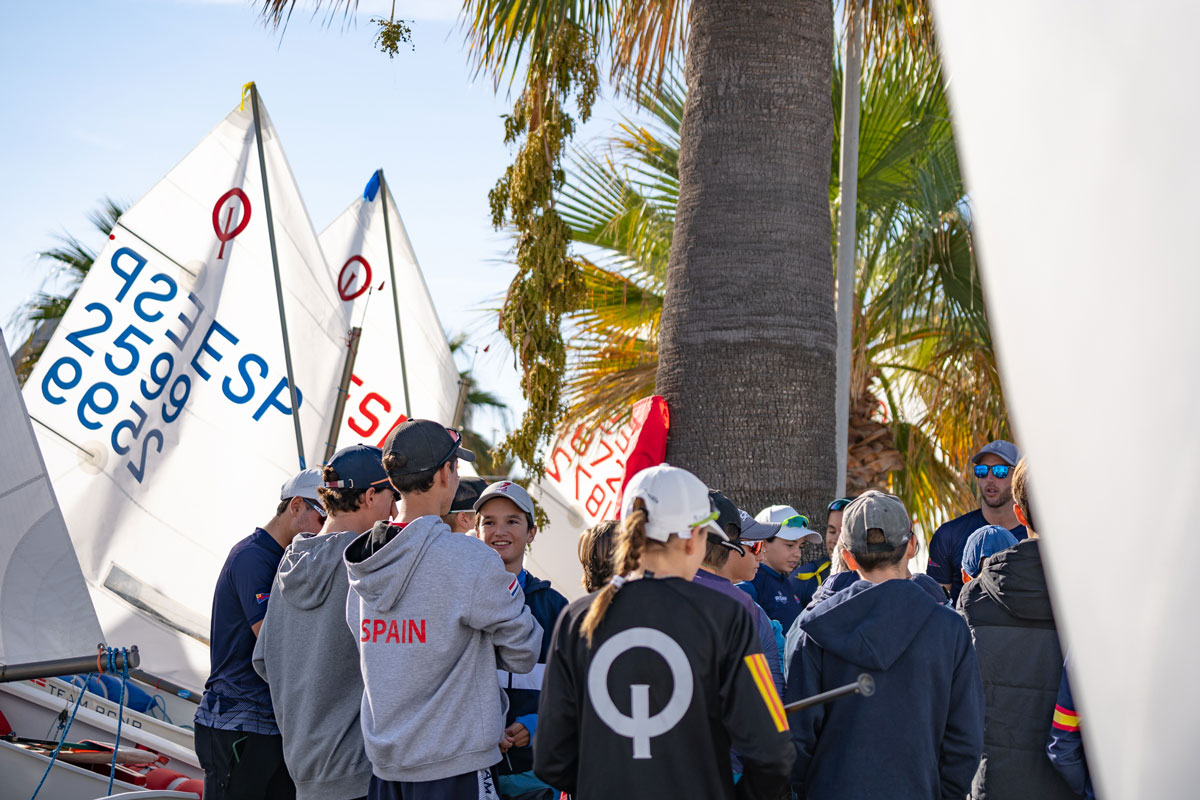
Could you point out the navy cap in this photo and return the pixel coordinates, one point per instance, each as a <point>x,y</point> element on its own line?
<point>359,466</point>
<point>755,531</point>
<point>468,492</point>
<point>1005,450</point>
<point>727,512</point>
<point>421,445</point>
<point>986,541</point>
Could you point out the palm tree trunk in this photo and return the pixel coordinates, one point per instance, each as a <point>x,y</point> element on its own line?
<point>747,342</point>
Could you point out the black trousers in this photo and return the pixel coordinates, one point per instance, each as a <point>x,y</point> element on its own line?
<point>242,766</point>
<point>471,786</point>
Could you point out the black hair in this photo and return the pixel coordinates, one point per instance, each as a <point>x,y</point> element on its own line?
<point>345,501</point>
<point>417,482</point>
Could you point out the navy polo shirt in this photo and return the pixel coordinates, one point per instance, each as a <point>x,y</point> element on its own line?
<point>775,593</point>
<point>235,697</point>
<point>947,546</point>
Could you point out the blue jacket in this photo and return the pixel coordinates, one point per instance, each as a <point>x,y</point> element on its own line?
<point>922,730</point>
<point>1065,747</point>
<point>807,578</point>
<point>524,690</point>
<point>775,593</point>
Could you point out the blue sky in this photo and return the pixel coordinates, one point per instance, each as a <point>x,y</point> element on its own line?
<point>103,97</point>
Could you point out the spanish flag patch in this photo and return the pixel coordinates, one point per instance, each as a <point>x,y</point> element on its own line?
<point>1065,719</point>
<point>761,673</point>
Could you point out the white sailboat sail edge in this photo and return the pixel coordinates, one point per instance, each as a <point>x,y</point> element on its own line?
<point>1083,168</point>
<point>45,612</point>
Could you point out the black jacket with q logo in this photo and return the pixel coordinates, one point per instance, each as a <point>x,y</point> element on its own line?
<point>675,677</point>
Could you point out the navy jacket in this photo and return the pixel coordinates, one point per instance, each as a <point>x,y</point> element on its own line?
<point>808,578</point>
<point>947,546</point>
<point>524,690</point>
<point>920,735</point>
<point>1065,747</point>
<point>775,593</point>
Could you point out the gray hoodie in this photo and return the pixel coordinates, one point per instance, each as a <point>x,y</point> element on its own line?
<point>310,661</point>
<point>435,614</point>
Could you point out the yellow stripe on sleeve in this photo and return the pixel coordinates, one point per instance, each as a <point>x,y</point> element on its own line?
<point>757,664</point>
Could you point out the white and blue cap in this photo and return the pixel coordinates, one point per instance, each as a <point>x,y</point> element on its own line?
<point>1005,450</point>
<point>676,501</point>
<point>303,484</point>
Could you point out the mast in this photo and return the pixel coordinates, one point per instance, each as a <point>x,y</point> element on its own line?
<point>287,349</point>
<point>387,232</point>
<point>847,237</point>
<point>343,392</point>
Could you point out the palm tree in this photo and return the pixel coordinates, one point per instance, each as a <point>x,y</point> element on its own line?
<point>478,399</point>
<point>924,383</point>
<point>69,264</point>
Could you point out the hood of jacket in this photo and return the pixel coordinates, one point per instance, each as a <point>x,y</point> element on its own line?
<point>381,574</point>
<point>309,568</point>
<point>1015,581</point>
<point>871,624</point>
<point>534,584</point>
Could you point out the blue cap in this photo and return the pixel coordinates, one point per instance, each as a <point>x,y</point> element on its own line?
<point>358,466</point>
<point>987,541</point>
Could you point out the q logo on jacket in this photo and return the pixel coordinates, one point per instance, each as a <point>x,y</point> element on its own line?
<point>639,725</point>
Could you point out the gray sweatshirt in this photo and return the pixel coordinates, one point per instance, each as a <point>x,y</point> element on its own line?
<point>435,614</point>
<point>310,661</point>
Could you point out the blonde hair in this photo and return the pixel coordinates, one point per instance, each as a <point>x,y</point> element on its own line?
<point>631,540</point>
<point>596,545</point>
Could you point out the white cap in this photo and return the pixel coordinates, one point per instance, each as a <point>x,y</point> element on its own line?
<point>676,501</point>
<point>781,516</point>
<point>303,484</point>
<point>773,515</point>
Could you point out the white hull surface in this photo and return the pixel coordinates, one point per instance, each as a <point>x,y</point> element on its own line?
<point>32,712</point>
<point>22,769</point>
<point>64,694</point>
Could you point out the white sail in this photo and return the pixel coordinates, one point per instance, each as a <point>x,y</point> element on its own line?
<point>1077,125</point>
<point>45,612</point>
<point>356,245</point>
<point>162,402</point>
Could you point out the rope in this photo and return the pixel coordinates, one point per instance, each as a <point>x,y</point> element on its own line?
<point>112,657</point>
<point>61,739</point>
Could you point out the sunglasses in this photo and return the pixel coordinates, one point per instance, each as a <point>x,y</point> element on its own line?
<point>840,504</point>
<point>798,521</point>
<point>753,548</point>
<point>456,438</point>
<point>316,507</point>
<point>999,470</point>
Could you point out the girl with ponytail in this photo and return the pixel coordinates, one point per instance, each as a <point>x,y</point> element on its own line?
<point>658,675</point>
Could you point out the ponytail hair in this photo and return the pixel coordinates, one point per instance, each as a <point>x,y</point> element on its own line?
<point>631,540</point>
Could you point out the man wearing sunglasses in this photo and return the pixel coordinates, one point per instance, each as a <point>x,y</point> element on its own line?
<point>237,741</point>
<point>322,732</point>
<point>993,466</point>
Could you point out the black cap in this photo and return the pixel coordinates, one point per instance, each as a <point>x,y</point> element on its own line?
<point>468,492</point>
<point>727,512</point>
<point>421,445</point>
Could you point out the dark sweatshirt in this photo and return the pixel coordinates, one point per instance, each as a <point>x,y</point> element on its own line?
<point>921,733</point>
<point>1008,609</point>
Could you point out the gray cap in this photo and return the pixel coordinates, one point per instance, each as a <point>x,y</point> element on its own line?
<point>875,509</point>
<point>1005,450</point>
<point>303,484</point>
<point>755,531</point>
<point>506,489</point>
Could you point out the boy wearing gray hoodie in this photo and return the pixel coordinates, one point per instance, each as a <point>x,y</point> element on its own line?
<point>303,642</point>
<point>435,615</point>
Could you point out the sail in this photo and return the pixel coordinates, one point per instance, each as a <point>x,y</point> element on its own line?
<point>356,245</point>
<point>1078,140</point>
<point>45,612</point>
<point>162,402</point>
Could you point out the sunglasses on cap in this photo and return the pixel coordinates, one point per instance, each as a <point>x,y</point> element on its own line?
<point>999,470</point>
<point>456,440</point>
<point>316,507</point>
<point>840,504</point>
<point>798,521</point>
